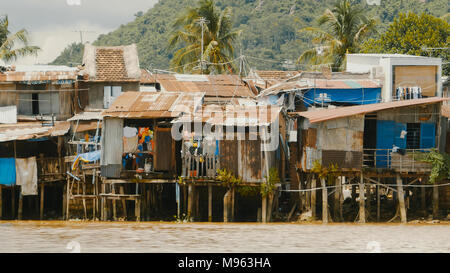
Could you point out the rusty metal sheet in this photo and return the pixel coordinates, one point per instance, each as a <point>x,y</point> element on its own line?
<point>163,150</point>
<point>250,163</point>
<point>228,154</point>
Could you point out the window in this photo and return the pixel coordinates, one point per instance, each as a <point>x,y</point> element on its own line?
<point>38,104</point>
<point>110,93</point>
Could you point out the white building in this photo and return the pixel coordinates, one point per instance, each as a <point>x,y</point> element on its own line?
<point>400,70</point>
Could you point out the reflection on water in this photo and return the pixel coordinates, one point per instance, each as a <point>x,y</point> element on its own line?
<point>35,236</point>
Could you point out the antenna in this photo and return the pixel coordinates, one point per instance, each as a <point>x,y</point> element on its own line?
<point>202,21</point>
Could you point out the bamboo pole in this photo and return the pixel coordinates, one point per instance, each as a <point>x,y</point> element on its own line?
<point>324,201</point>
<point>337,197</point>
<point>209,203</point>
<point>226,204</point>
<point>401,199</point>
<point>362,207</point>
<point>190,202</point>
<point>124,202</point>
<point>378,203</point>
<point>435,201</point>
<point>20,206</point>
<point>41,207</point>
<point>13,201</point>
<point>264,209</point>
<point>313,199</point>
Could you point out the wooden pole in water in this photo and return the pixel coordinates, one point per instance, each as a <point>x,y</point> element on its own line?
<point>423,200</point>
<point>41,206</point>
<point>1,202</point>
<point>362,207</point>
<point>102,203</point>
<point>209,203</point>
<point>226,202</point>
<point>324,201</point>
<point>68,200</point>
<point>401,199</point>
<point>435,201</point>
<point>378,202</point>
<point>20,206</point>
<point>124,202</point>
<point>190,202</point>
<point>369,199</point>
<point>264,209</point>
<point>233,195</point>
<point>313,199</point>
<point>337,198</point>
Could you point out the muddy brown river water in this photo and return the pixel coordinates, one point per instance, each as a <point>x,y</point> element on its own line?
<point>55,236</point>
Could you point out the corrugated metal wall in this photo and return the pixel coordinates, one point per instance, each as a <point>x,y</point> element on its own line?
<point>112,147</point>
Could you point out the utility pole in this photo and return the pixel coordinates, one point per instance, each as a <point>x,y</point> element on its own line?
<point>202,21</point>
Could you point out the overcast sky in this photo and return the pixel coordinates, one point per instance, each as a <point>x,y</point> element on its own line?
<point>52,24</point>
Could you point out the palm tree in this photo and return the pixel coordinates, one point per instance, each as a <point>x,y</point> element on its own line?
<point>218,38</point>
<point>8,49</point>
<point>345,27</point>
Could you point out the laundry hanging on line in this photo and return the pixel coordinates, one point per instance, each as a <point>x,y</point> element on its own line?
<point>7,171</point>
<point>26,175</point>
<point>87,158</point>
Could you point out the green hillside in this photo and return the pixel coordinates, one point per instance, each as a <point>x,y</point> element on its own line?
<point>270,28</point>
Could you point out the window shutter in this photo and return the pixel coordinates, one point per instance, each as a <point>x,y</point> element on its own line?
<point>427,135</point>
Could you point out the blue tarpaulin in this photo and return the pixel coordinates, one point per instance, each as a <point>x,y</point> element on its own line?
<point>86,157</point>
<point>7,171</point>
<point>355,96</point>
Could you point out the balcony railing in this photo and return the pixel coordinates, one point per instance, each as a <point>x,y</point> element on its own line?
<point>199,166</point>
<point>403,160</point>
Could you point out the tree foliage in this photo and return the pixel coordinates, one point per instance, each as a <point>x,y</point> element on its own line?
<point>71,56</point>
<point>215,35</point>
<point>422,35</point>
<point>9,49</point>
<point>340,31</point>
<point>269,28</point>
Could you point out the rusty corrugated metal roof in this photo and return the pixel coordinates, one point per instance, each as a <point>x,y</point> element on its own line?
<point>18,76</point>
<point>153,104</point>
<point>212,85</point>
<point>328,114</point>
<point>234,115</point>
<point>27,130</point>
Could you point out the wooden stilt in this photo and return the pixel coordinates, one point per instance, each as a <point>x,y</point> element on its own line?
<point>401,199</point>
<point>337,198</point>
<point>20,206</point>
<point>369,199</point>
<point>190,202</point>
<point>435,201</point>
<point>362,207</point>
<point>41,207</point>
<point>124,202</point>
<point>313,199</point>
<point>308,193</point>
<point>84,199</point>
<point>113,191</point>
<point>68,201</point>
<point>423,201</point>
<point>264,210</point>
<point>324,201</point>
<point>209,203</point>
<point>13,202</point>
<point>197,202</point>
<point>1,202</point>
<point>137,209</point>
<point>64,201</point>
<point>270,198</point>
<point>341,198</point>
<point>378,203</point>
<point>226,206</point>
<point>233,195</point>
